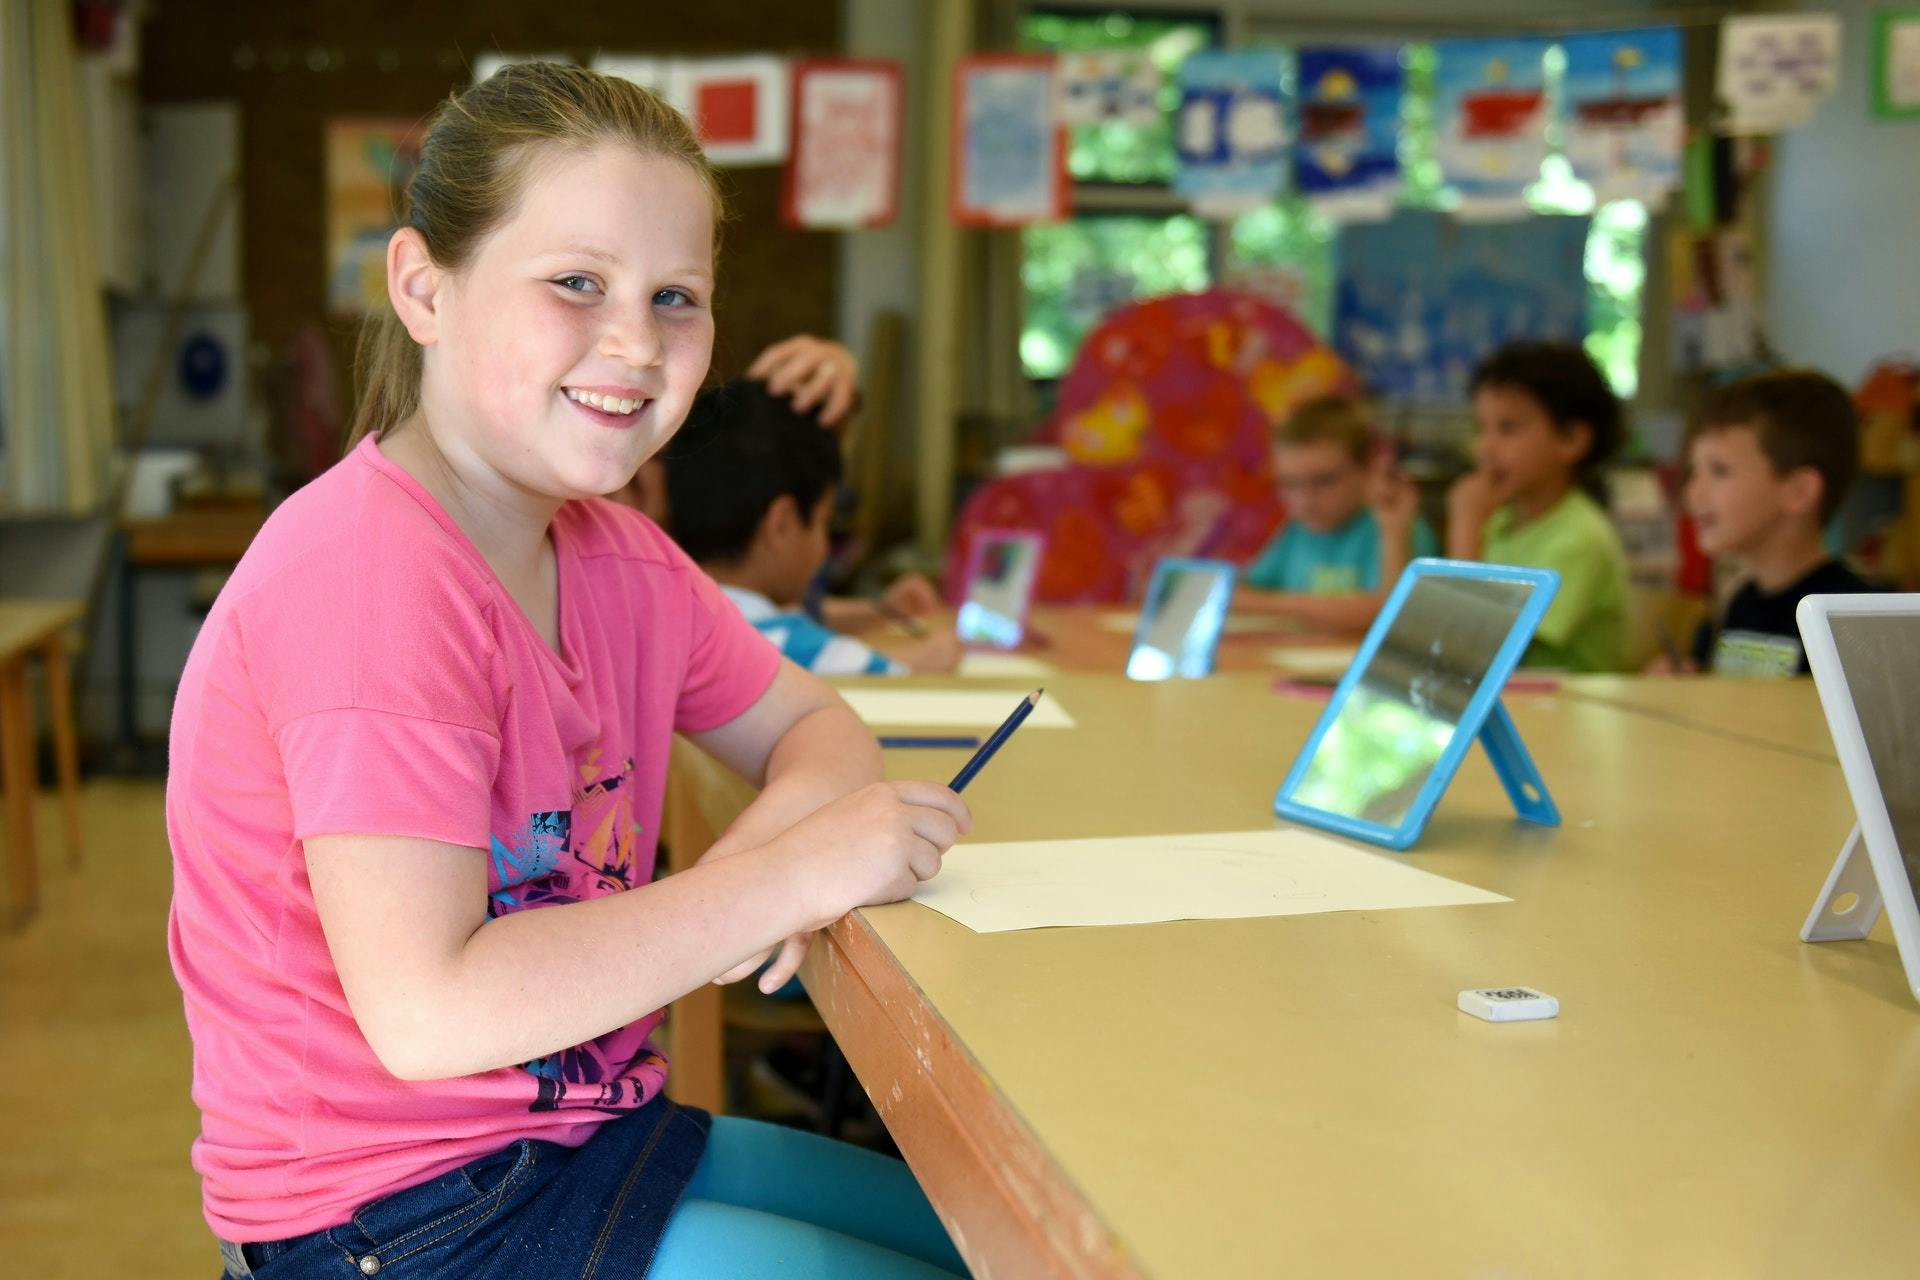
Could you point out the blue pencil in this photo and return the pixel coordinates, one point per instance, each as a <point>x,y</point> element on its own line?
<point>993,744</point>
<point>962,744</point>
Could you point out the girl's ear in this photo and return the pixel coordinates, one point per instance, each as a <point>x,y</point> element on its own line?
<point>413,285</point>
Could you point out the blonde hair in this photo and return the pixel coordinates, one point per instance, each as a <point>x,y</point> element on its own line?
<point>1337,420</point>
<point>473,164</point>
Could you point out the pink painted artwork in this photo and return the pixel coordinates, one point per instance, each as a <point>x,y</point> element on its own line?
<point>1166,418</point>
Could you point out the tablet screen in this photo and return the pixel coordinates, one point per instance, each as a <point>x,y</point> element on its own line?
<point>1880,656</point>
<point>1180,622</point>
<point>1396,722</point>
<point>995,609</point>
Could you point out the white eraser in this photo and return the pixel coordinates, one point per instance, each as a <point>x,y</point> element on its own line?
<point>1509,1004</point>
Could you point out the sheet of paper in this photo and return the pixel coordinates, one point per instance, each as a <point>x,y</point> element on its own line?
<point>948,709</point>
<point>996,666</point>
<point>992,888</point>
<point>1305,660</point>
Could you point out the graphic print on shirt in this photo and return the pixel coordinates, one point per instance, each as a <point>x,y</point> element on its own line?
<point>567,855</point>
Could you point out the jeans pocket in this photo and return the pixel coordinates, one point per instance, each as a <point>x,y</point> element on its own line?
<point>435,1213</point>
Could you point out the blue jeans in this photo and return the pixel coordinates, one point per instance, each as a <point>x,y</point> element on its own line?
<point>651,1194</point>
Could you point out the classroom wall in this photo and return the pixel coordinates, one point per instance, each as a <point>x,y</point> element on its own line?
<point>1843,269</point>
<point>400,60</point>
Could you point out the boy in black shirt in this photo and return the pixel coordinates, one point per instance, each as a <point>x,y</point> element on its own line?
<point>1769,462</point>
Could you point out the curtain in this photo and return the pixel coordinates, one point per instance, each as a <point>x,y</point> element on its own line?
<point>56,381</point>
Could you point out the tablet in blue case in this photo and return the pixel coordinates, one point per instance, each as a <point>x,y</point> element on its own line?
<point>1425,684</point>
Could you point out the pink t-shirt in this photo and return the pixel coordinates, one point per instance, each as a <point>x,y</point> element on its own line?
<point>364,672</point>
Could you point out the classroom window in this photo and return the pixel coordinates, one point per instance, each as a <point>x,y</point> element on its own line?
<point>1076,272</point>
<point>1117,151</point>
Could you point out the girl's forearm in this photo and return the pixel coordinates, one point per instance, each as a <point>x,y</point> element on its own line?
<point>535,982</point>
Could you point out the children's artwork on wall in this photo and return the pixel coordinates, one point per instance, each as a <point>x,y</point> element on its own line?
<point>1490,121</point>
<point>1422,298</point>
<point>1774,71</point>
<point>485,64</point>
<point>1166,418</point>
<point>652,74</point>
<point>369,163</point>
<point>1231,131</point>
<point>1896,63</point>
<point>1347,157</point>
<point>738,106</point>
<point>1625,120</point>
<point>843,170</point>
<point>1009,146</point>
<point>1111,86</point>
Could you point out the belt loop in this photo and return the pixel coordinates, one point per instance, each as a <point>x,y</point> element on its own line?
<point>235,1258</point>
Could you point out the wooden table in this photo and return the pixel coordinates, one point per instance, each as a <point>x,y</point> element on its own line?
<point>28,627</point>
<point>188,540</point>
<point>1099,639</point>
<point>1782,714</point>
<point>1299,1096</point>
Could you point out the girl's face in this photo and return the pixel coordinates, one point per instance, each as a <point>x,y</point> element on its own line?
<point>568,350</point>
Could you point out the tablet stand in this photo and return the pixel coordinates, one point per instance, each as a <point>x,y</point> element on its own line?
<point>1852,877</point>
<point>1515,768</point>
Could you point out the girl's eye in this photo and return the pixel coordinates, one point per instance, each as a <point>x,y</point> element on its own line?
<point>673,298</point>
<point>577,284</point>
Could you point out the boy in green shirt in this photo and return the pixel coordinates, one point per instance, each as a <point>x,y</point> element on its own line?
<point>1352,522</point>
<point>1548,424</point>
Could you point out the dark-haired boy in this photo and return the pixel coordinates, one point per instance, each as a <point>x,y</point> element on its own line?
<point>1769,461</point>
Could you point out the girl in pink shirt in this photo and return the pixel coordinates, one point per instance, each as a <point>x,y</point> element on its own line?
<point>418,755</point>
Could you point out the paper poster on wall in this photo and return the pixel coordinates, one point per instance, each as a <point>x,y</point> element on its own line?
<point>1347,158</point>
<point>484,65</point>
<point>1231,133</point>
<point>1009,152</point>
<point>1110,86</point>
<point>738,106</point>
<point>1490,122</point>
<point>369,163</point>
<point>1422,297</point>
<point>654,74</point>
<point>1625,121</point>
<point>1774,71</point>
<point>843,167</point>
<point>1896,63</point>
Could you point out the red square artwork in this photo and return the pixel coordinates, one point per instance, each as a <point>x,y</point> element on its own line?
<point>728,110</point>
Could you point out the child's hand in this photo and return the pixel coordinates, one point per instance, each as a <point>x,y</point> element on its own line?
<point>1472,499</point>
<point>874,846</point>
<point>937,655</point>
<point>813,373</point>
<point>1394,498</point>
<point>913,595</point>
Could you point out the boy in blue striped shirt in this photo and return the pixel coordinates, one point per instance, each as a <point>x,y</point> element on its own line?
<point>751,483</point>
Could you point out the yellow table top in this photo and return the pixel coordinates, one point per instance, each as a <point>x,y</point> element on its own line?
<point>26,623</point>
<point>1784,714</point>
<point>1300,1096</point>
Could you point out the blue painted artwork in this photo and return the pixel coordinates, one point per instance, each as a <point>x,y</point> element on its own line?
<point>1347,155</point>
<point>1490,120</point>
<point>1423,297</point>
<point>1011,164</point>
<point>1625,122</point>
<point>1231,132</point>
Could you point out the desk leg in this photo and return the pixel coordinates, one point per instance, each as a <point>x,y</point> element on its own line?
<point>66,740</point>
<point>20,786</point>
<point>697,1049</point>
